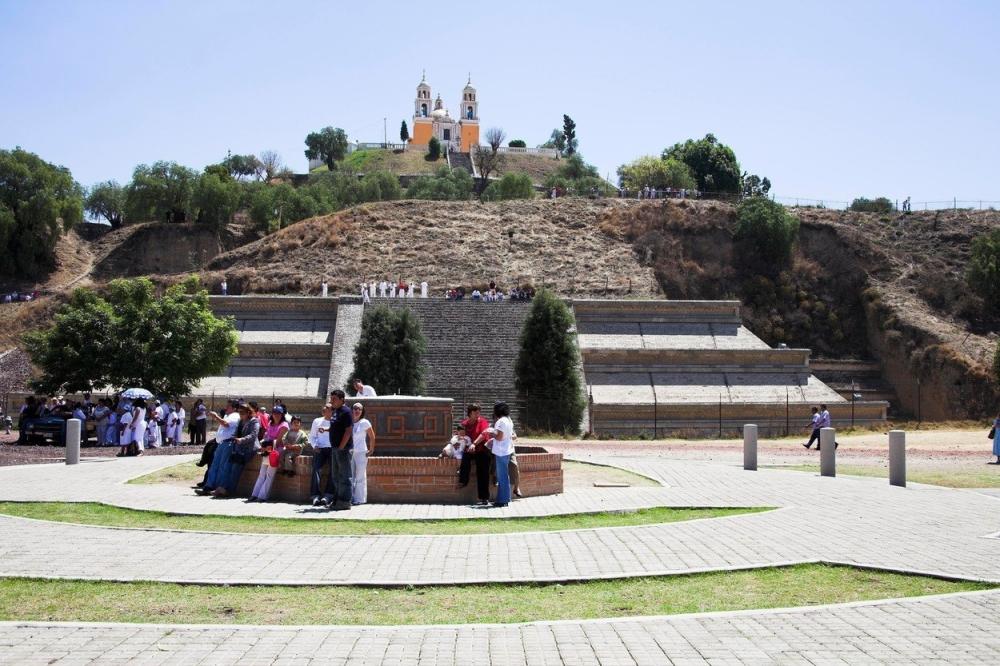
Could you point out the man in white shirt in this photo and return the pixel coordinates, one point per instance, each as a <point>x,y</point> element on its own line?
<point>362,390</point>
<point>825,422</point>
<point>319,439</point>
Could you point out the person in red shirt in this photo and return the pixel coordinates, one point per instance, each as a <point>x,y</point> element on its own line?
<point>475,425</point>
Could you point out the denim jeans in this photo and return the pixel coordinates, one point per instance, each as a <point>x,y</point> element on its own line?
<point>321,458</point>
<point>219,466</point>
<point>340,472</point>
<point>503,480</point>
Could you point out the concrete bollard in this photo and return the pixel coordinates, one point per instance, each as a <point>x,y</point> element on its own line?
<point>828,452</point>
<point>897,458</point>
<point>750,446</point>
<point>73,441</point>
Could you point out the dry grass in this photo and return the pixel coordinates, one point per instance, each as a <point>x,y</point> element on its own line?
<point>537,167</point>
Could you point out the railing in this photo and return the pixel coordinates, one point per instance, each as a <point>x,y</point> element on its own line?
<point>545,152</point>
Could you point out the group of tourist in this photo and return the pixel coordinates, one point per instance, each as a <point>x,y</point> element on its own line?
<point>648,192</point>
<point>16,297</point>
<point>491,448</point>
<point>491,294</point>
<point>392,289</point>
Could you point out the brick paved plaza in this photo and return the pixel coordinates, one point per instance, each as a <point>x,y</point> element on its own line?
<point>843,520</point>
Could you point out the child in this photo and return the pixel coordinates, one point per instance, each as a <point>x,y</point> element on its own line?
<point>295,441</point>
<point>458,445</point>
<point>152,436</point>
<point>125,432</point>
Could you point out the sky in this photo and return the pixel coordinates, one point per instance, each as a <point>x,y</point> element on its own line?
<point>829,100</point>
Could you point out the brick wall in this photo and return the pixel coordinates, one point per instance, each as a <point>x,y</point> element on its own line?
<point>412,480</point>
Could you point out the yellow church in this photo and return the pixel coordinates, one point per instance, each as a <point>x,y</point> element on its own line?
<point>458,135</point>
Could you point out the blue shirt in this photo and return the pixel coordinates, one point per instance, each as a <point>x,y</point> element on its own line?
<point>341,422</point>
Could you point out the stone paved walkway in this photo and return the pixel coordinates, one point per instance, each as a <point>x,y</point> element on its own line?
<point>847,520</point>
<point>959,629</point>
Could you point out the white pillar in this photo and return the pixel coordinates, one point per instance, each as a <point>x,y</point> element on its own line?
<point>828,452</point>
<point>750,446</point>
<point>897,458</point>
<point>73,441</point>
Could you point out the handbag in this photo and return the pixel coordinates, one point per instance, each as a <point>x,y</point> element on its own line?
<point>273,458</point>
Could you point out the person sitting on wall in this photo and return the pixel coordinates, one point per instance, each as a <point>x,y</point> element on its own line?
<point>476,295</point>
<point>457,445</point>
<point>362,390</point>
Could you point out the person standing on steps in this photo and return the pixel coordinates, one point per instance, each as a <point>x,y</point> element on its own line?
<point>814,428</point>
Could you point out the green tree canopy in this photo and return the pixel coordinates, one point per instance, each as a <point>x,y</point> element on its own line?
<point>712,164</point>
<point>275,206</point>
<point>876,205</point>
<point>445,185</point>
<point>389,351</point>
<point>656,172</point>
<point>755,186</point>
<point>510,186</point>
<point>128,337</point>
<point>556,140</point>
<point>517,143</point>
<point>244,166</point>
<point>433,149</point>
<point>546,370</point>
<point>329,144</point>
<point>216,200</point>
<point>38,202</point>
<point>569,135</point>
<point>767,232</point>
<point>162,191</point>
<point>983,273</point>
<point>404,132</point>
<point>107,200</point>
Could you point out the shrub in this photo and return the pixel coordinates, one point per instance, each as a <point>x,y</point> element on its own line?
<point>546,368</point>
<point>656,172</point>
<point>767,232</point>
<point>511,186</point>
<point>879,205</point>
<point>983,273</point>
<point>517,143</point>
<point>433,149</point>
<point>389,352</point>
<point>713,164</point>
<point>446,185</point>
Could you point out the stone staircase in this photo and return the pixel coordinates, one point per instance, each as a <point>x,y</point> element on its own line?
<point>285,345</point>
<point>850,376</point>
<point>662,367</point>
<point>471,349</point>
<point>461,161</point>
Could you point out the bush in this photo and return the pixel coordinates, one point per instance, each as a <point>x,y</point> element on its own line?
<point>983,273</point>
<point>879,205</point>
<point>446,185</point>
<point>546,369</point>
<point>713,164</point>
<point>216,200</point>
<point>656,172</point>
<point>767,232</point>
<point>517,143</point>
<point>389,353</point>
<point>38,202</point>
<point>511,186</point>
<point>433,149</point>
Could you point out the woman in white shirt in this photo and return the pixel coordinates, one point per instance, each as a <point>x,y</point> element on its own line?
<point>138,427</point>
<point>502,447</point>
<point>176,430</point>
<point>363,440</point>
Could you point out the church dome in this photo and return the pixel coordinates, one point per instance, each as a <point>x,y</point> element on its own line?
<point>440,113</point>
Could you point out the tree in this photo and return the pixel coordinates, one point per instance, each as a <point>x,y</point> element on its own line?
<point>878,205</point>
<point>517,143</point>
<point>983,273</point>
<point>556,141</point>
<point>107,200</point>
<point>712,164</point>
<point>272,207</point>
<point>404,132</point>
<point>433,149</point>
<point>128,337</point>
<point>270,162</point>
<point>244,166</point>
<point>329,145</point>
<point>489,161</point>
<point>389,352</point>
<point>446,185</point>
<point>546,371</point>
<point>656,172</point>
<point>380,186</point>
<point>767,232</point>
<point>511,186</point>
<point>569,135</point>
<point>38,202</point>
<point>161,191</point>
<point>216,200</point>
<point>755,186</point>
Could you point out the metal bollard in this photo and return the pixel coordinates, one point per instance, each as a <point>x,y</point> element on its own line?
<point>73,441</point>
<point>750,446</point>
<point>828,452</point>
<point>897,458</point>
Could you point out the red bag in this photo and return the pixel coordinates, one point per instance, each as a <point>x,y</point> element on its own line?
<point>273,457</point>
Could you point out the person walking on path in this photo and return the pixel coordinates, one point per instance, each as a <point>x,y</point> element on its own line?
<point>363,439</point>
<point>814,427</point>
<point>825,422</point>
<point>502,447</point>
<point>995,434</point>
<point>341,434</point>
<point>475,426</point>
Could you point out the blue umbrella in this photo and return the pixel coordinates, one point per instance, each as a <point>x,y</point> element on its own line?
<point>134,393</point>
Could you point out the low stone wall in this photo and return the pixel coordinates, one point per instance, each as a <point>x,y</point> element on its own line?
<point>416,480</point>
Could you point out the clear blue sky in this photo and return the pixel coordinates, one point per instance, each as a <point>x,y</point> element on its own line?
<point>830,100</point>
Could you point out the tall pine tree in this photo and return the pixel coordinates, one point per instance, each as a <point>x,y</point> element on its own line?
<point>388,355</point>
<point>404,132</point>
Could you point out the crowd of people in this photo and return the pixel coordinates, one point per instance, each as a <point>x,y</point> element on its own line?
<point>648,192</point>
<point>491,294</point>
<point>16,297</point>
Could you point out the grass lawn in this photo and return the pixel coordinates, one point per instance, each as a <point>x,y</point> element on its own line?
<point>956,477</point>
<point>93,513</point>
<point>78,601</point>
